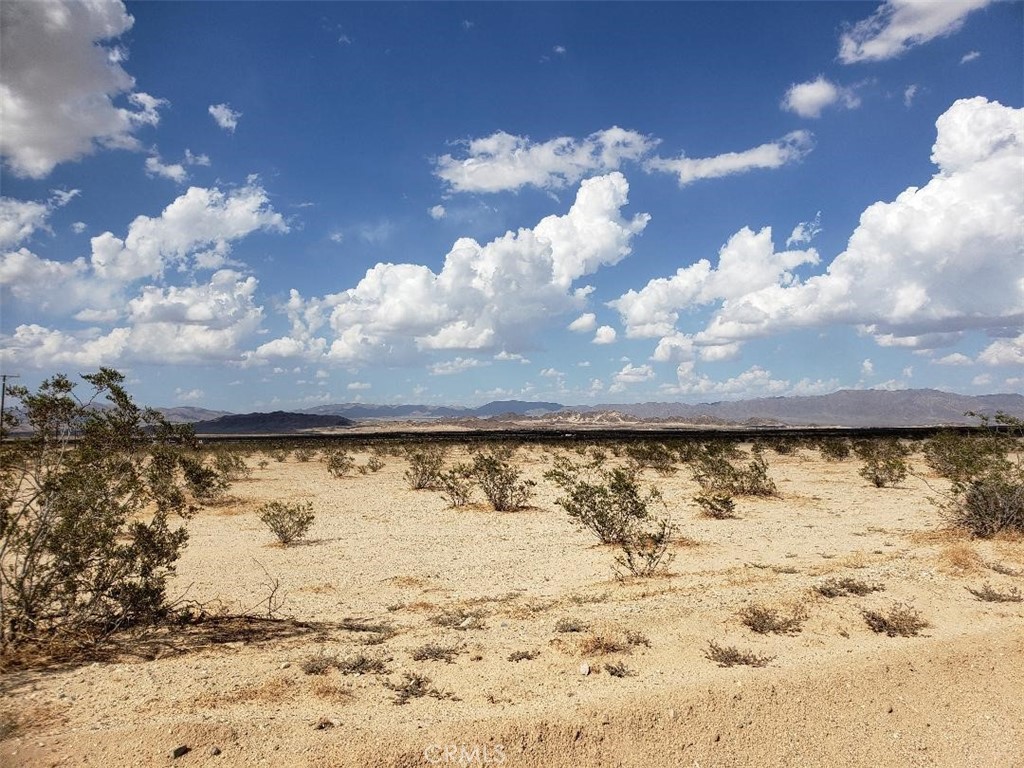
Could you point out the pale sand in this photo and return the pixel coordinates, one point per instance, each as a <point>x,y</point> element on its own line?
<point>837,694</point>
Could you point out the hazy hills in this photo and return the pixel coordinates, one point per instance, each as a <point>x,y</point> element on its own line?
<point>846,408</point>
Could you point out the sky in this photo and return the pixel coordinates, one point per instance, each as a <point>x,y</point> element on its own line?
<point>253,206</point>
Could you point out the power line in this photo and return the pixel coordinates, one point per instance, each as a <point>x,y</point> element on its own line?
<point>3,397</point>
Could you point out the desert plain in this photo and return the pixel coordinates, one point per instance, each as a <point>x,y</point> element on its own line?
<point>529,651</point>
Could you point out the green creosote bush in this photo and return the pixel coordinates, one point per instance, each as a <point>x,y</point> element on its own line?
<point>339,462</point>
<point>425,463</point>
<point>607,502</point>
<point>87,535</point>
<point>885,461</point>
<point>650,455</point>
<point>304,454</point>
<point>500,480</point>
<point>715,472</point>
<point>834,448</point>
<point>456,485</point>
<point>289,521</point>
<point>987,492</point>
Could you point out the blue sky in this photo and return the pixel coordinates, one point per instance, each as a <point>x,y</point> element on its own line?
<point>286,204</point>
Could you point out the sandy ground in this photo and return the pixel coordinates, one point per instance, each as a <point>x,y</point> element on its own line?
<point>835,693</point>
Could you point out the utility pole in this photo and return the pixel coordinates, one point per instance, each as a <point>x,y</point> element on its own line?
<point>3,397</point>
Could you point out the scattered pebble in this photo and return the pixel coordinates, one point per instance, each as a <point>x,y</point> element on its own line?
<point>180,751</point>
<point>584,669</point>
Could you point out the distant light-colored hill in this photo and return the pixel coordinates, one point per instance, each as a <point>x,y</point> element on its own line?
<point>846,408</point>
<point>188,414</point>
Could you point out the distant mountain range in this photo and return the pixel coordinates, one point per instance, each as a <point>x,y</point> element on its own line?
<point>846,408</point>
<point>275,423</point>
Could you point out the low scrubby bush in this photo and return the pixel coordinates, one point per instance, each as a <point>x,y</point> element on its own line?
<point>885,461</point>
<point>339,462</point>
<point>608,502</point>
<point>425,463</point>
<point>288,521</point>
<point>500,481</point>
<point>645,550</point>
<point>987,492</point>
<point>87,535</point>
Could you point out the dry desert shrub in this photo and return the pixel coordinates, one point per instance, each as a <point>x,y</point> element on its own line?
<point>765,619</point>
<point>456,485</point>
<point>715,470</point>
<point>651,455</point>
<point>318,664</point>
<point>989,594</point>
<point>604,643</point>
<point>523,655</point>
<point>731,656</point>
<point>645,551</point>
<point>902,620</point>
<point>437,652</point>
<point>459,618</point>
<point>569,624</point>
<point>847,585</point>
<point>601,645</point>
<point>414,686</point>
<point>361,664</point>
<point>619,670</point>
<point>339,462</point>
<point>372,626</point>
<point>304,454</point>
<point>718,506</point>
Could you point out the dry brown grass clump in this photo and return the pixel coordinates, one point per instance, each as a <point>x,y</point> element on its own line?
<point>960,557</point>
<point>731,656</point>
<point>902,619</point>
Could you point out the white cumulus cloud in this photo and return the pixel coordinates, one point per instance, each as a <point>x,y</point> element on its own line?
<point>918,272</point>
<point>585,323</point>
<point>811,98</point>
<point>491,296</point>
<point>64,93</point>
<point>196,230</point>
<point>604,335</point>
<point>501,161</point>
